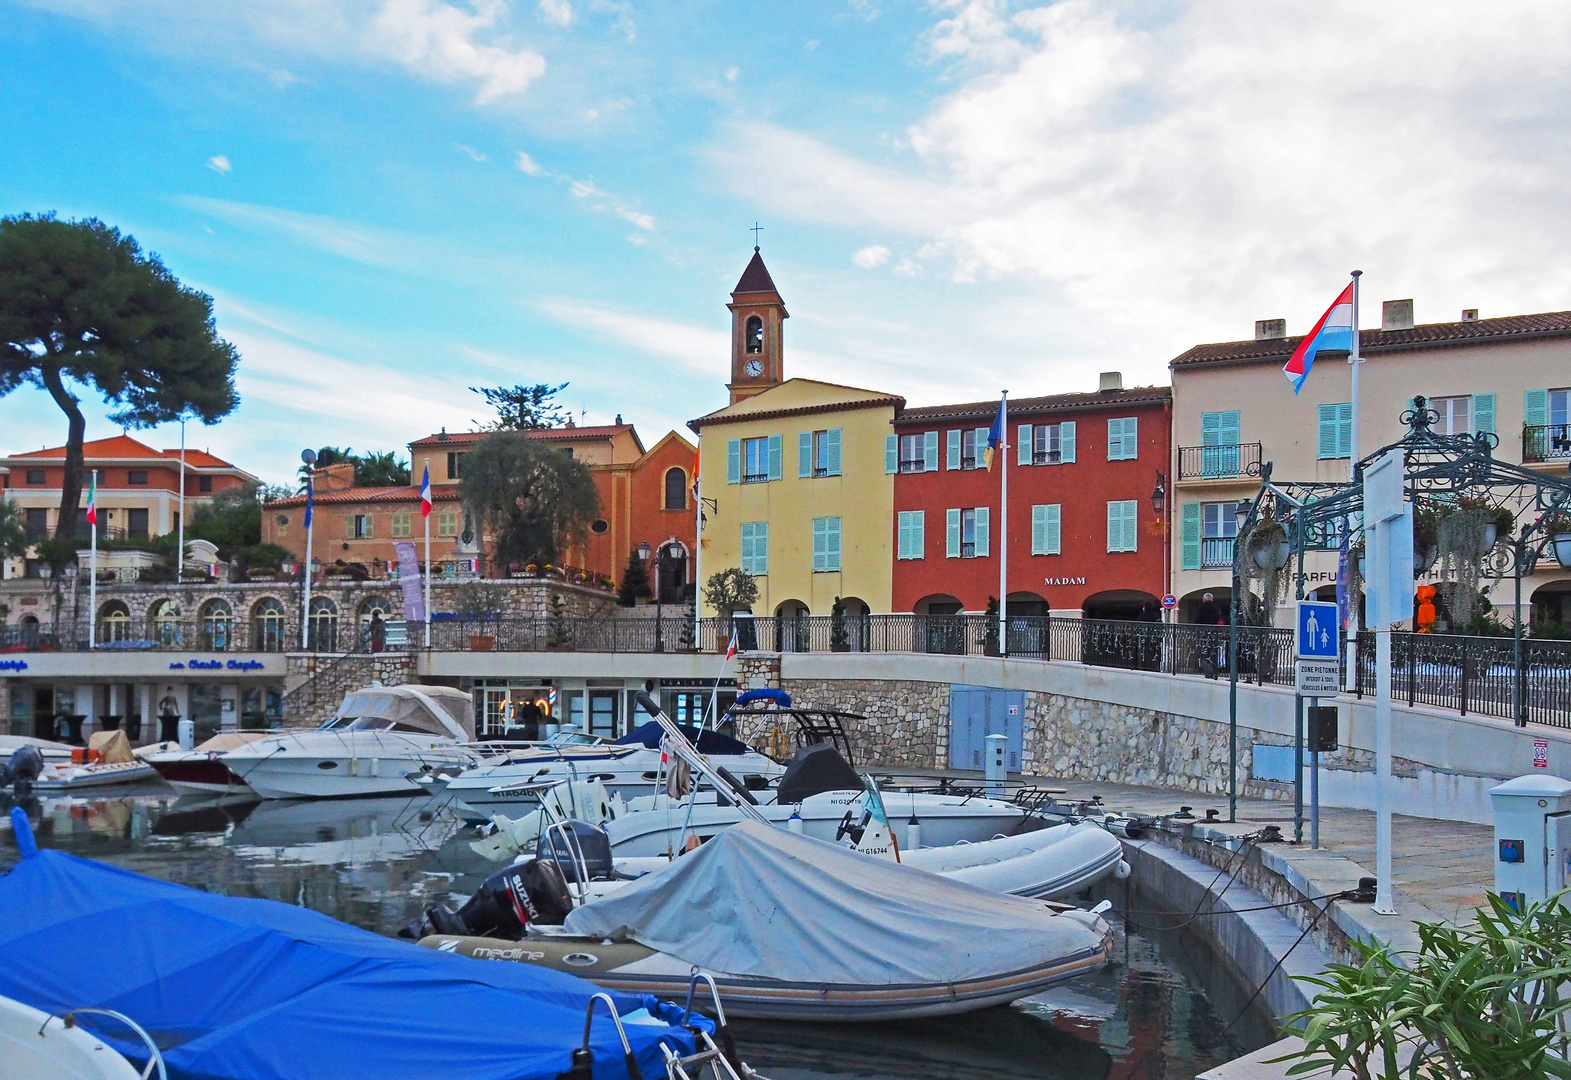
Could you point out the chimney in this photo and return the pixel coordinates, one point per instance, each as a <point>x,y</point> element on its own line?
<point>1470,314</point>
<point>1396,315</point>
<point>340,477</point>
<point>1111,380</point>
<point>1266,329</point>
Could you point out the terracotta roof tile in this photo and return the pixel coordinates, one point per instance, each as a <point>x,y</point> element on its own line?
<point>469,438</point>
<point>123,447</point>
<point>755,278</point>
<point>409,494</point>
<point>1029,406</point>
<point>1373,342</point>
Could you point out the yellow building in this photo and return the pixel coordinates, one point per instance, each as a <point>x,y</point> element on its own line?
<point>797,480</point>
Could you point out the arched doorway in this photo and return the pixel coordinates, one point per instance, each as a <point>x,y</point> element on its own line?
<point>671,572</point>
<point>792,628</point>
<point>1108,640</point>
<point>939,626</point>
<point>852,631</point>
<point>1027,615</point>
<point>1131,605</point>
<point>1551,611</point>
<point>1189,605</point>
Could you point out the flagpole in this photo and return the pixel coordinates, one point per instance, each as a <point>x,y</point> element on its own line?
<point>427,582</point>
<point>180,524</point>
<point>698,549</point>
<point>305,608</point>
<point>1003,524</point>
<point>92,582</point>
<point>1350,676</point>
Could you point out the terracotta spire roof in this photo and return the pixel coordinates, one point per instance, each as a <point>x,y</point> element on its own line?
<point>755,278</point>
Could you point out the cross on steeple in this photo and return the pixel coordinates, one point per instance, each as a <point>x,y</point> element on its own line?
<point>755,230</point>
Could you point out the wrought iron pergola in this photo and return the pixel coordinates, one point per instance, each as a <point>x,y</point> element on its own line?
<point>1323,515</point>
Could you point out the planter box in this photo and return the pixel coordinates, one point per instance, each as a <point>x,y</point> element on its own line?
<point>481,642</point>
<point>842,647</point>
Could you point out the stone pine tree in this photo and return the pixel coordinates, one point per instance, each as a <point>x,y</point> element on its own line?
<point>635,581</point>
<point>84,308</point>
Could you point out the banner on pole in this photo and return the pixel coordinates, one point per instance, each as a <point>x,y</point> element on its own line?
<point>409,580</point>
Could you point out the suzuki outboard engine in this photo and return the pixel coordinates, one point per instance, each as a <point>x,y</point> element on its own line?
<point>593,844</point>
<point>24,767</point>
<point>509,899</point>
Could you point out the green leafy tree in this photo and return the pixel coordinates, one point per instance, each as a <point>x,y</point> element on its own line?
<point>81,306</point>
<point>384,469</point>
<point>533,498</point>
<point>635,581</point>
<point>731,589</point>
<point>524,408</point>
<point>13,530</point>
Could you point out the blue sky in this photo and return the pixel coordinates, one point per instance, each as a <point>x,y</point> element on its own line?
<point>393,200</point>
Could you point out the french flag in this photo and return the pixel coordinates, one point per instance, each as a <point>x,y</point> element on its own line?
<point>1333,333</point>
<point>425,492</point>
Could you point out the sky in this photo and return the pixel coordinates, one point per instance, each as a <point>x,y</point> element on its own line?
<point>392,201</point>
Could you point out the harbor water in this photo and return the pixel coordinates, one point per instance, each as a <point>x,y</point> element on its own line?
<point>1163,1010</point>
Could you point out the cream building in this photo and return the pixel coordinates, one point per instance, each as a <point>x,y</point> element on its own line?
<point>796,479</point>
<point>1233,408</point>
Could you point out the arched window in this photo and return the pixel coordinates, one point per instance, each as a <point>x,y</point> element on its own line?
<point>114,622</point>
<point>755,334</point>
<point>323,626</point>
<point>166,623</point>
<point>372,607</point>
<point>217,621</point>
<point>675,489</point>
<point>269,624</point>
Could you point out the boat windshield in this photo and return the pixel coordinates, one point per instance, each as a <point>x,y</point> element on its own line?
<point>573,738</point>
<point>370,723</point>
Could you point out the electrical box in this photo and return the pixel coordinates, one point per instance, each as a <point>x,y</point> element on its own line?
<point>996,761</point>
<point>1532,838</point>
<point>1322,728</point>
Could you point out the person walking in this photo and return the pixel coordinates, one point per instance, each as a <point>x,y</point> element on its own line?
<point>1209,613</point>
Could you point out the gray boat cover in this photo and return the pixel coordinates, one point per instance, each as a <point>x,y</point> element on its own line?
<point>764,902</point>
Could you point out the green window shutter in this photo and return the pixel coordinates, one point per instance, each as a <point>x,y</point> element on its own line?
<point>1189,535</point>
<point>1023,444</point>
<point>832,544</point>
<point>1132,525</point>
<point>1484,413</point>
<point>952,534</point>
<point>981,445</point>
<point>918,534</point>
<point>1121,525</point>
<point>832,436</point>
<point>1210,429</point>
<point>1228,427</point>
<point>1053,536</point>
<point>1344,435</point>
<point>953,455</point>
<point>761,546</point>
<point>983,514</point>
<point>1328,431</point>
<point>1039,541</point>
<point>775,454</point>
<point>1115,526</point>
<point>1535,408</point>
<point>804,453</point>
<point>1066,441</point>
<point>930,451</point>
<point>891,453</point>
<point>820,544</point>
<point>903,535</point>
<point>733,461</point>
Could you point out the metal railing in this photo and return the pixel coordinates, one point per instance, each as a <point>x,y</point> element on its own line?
<point>1474,674</point>
<point>1546,442</point>
<point>1216,552</point>
<point>1218,462</point>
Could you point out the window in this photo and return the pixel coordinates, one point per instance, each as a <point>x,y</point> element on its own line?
<point>760,460</point>
<point>217,619</point>
<point>376,605</point>
<point>35,476</point>
<point>755,547</point>
<point>447,523</point>
<point>204,484</point>
<point>910,534</point>
<point>361,527</point>
<point>166,622</point>
<point>1045,444</point>
<point>600,527</point>
<point>323,626</point>
<point>675,489</point>
<point>818,453</point>
<point>1336,430</point>
<point>754,335</point>
<point>966,533</point>
<point>455,465</point>
<point>1123,525</point>
<point>1123,438</point>
<point>973,444</point>
<point>136,522</point>
<point>400,526</point>
<point>268,625</point>
<point>37,523</point>
<point>1219,433</point>
<point>114,622</point>
<point>1045,532</point>
<point>826,545</point>
<point>1546,422</point>
<point>919,452</point>
<point>1218,529</point>
<point>1454,415</point>
<point>136,477</point>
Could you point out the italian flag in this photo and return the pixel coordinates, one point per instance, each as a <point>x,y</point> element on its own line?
<point>92,498</point>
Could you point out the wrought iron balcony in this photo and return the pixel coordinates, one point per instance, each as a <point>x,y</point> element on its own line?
<point>1218,462</point>
<point>1216,552</point>
<point>1546,442</point>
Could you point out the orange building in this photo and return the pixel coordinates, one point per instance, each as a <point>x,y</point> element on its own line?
<point>645,497</point>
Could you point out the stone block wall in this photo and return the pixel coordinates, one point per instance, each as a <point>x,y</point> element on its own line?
<point>316,683</point>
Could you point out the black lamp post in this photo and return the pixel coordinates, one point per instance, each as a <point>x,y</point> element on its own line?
<point>1159,507</point>
<point>657,565</point>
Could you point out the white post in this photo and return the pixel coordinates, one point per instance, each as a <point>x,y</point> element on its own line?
<point>1389,538</point>
<point>305,607</point>
<point>427,582</point>
<point>92,587</point>
<point>180,525</point>
<point>1355,359</point>
<point>1383,900</point>
<point>1003,524</point>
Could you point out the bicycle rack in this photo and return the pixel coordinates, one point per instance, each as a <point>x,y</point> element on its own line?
<point>155,1057</point>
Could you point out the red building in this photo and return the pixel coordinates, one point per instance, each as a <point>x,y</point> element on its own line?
<point>1084,537</point>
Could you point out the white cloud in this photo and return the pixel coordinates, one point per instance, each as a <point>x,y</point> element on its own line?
<point>696,348</point>
<point>527,164</point>
<point>440,42</point>
<point>1177,174</point>
<point>472,152</point>
<point>219,164</point>
<point>556,12</point>
<point>869,257</point>
<point>731,73</point>
<point>643,221</point>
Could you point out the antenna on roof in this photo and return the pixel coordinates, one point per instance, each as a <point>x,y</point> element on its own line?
<point>755,230</point>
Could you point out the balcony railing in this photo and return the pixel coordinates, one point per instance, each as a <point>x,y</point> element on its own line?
<point>1216,552</point>
<point>1218,462</point>
<point>1546,442</point>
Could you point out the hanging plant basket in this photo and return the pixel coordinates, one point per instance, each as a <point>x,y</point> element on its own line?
<point>1562,545</point>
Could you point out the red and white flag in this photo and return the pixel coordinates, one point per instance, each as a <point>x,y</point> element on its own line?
<point>731,648</point>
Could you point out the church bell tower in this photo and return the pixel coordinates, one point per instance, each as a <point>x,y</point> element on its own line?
<point>758,316</point>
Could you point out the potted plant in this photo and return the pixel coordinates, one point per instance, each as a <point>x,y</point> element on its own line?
<point>1490,520</point>
<point>839,637</point>
<point>1557,525</point>
<point>1426,536</point>
<point>478,601</point>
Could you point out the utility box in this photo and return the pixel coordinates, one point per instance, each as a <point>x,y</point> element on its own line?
<point>996,761</point>
<point>1532,838</point>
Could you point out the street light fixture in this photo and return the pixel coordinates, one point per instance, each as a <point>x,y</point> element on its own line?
<point>1159,495</point>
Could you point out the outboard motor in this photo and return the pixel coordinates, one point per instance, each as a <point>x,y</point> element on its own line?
<point>24,767</point>
<point>505,903</point>
<point>593,844</point>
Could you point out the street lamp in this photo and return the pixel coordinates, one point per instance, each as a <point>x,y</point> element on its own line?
<point>1159,507</point>
<point>1159,495</point>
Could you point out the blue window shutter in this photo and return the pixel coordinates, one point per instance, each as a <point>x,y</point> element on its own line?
<point>820,544</point>
<point>1066,440</point>
<point>804,453</point>
<point>1189,535</point>
<point>776,452</point>
<point>953,454</point>
<point>1328,431</point>
<point>930,451</point>
<point>1484,413</point>
<point>903,535</point>
<point>733,461</point>
<point>761,546</point>
<point>1344,436</point>
<point>1115,439</point>
<point>1023,444</point>
<point>1039,530</point>
<point>952,533</point>
<point>918,534</point>
<point>983,515</point>
<point>1229,427</point>
<point>1054,532</point>
<point>981,445</point>
<point>1210,429</point>
<point>1115,526</point>
<point>832,436</point>
<point>1131,525</point>
<point>832,544</point>
<point>1535,408</point>
<point>891,453</point>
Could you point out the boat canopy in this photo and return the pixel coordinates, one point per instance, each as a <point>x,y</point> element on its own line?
<point>242,989</point>
<point>764,902</point>
<point>440,710</point>
<point>708,742</point>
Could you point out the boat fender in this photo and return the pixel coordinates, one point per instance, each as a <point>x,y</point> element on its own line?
<point>1122,870</point>
<point>794,823</point>
<point>913,834</point>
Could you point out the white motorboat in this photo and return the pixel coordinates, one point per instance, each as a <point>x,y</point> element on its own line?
<point>106,761</point>
<point>378,736</point>
<point>37,1046</point>
<point>202,769</point>
<point>51,751</point>
<point>629,767</point>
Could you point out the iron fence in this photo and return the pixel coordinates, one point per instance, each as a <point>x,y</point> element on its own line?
<point>1474,674</point>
